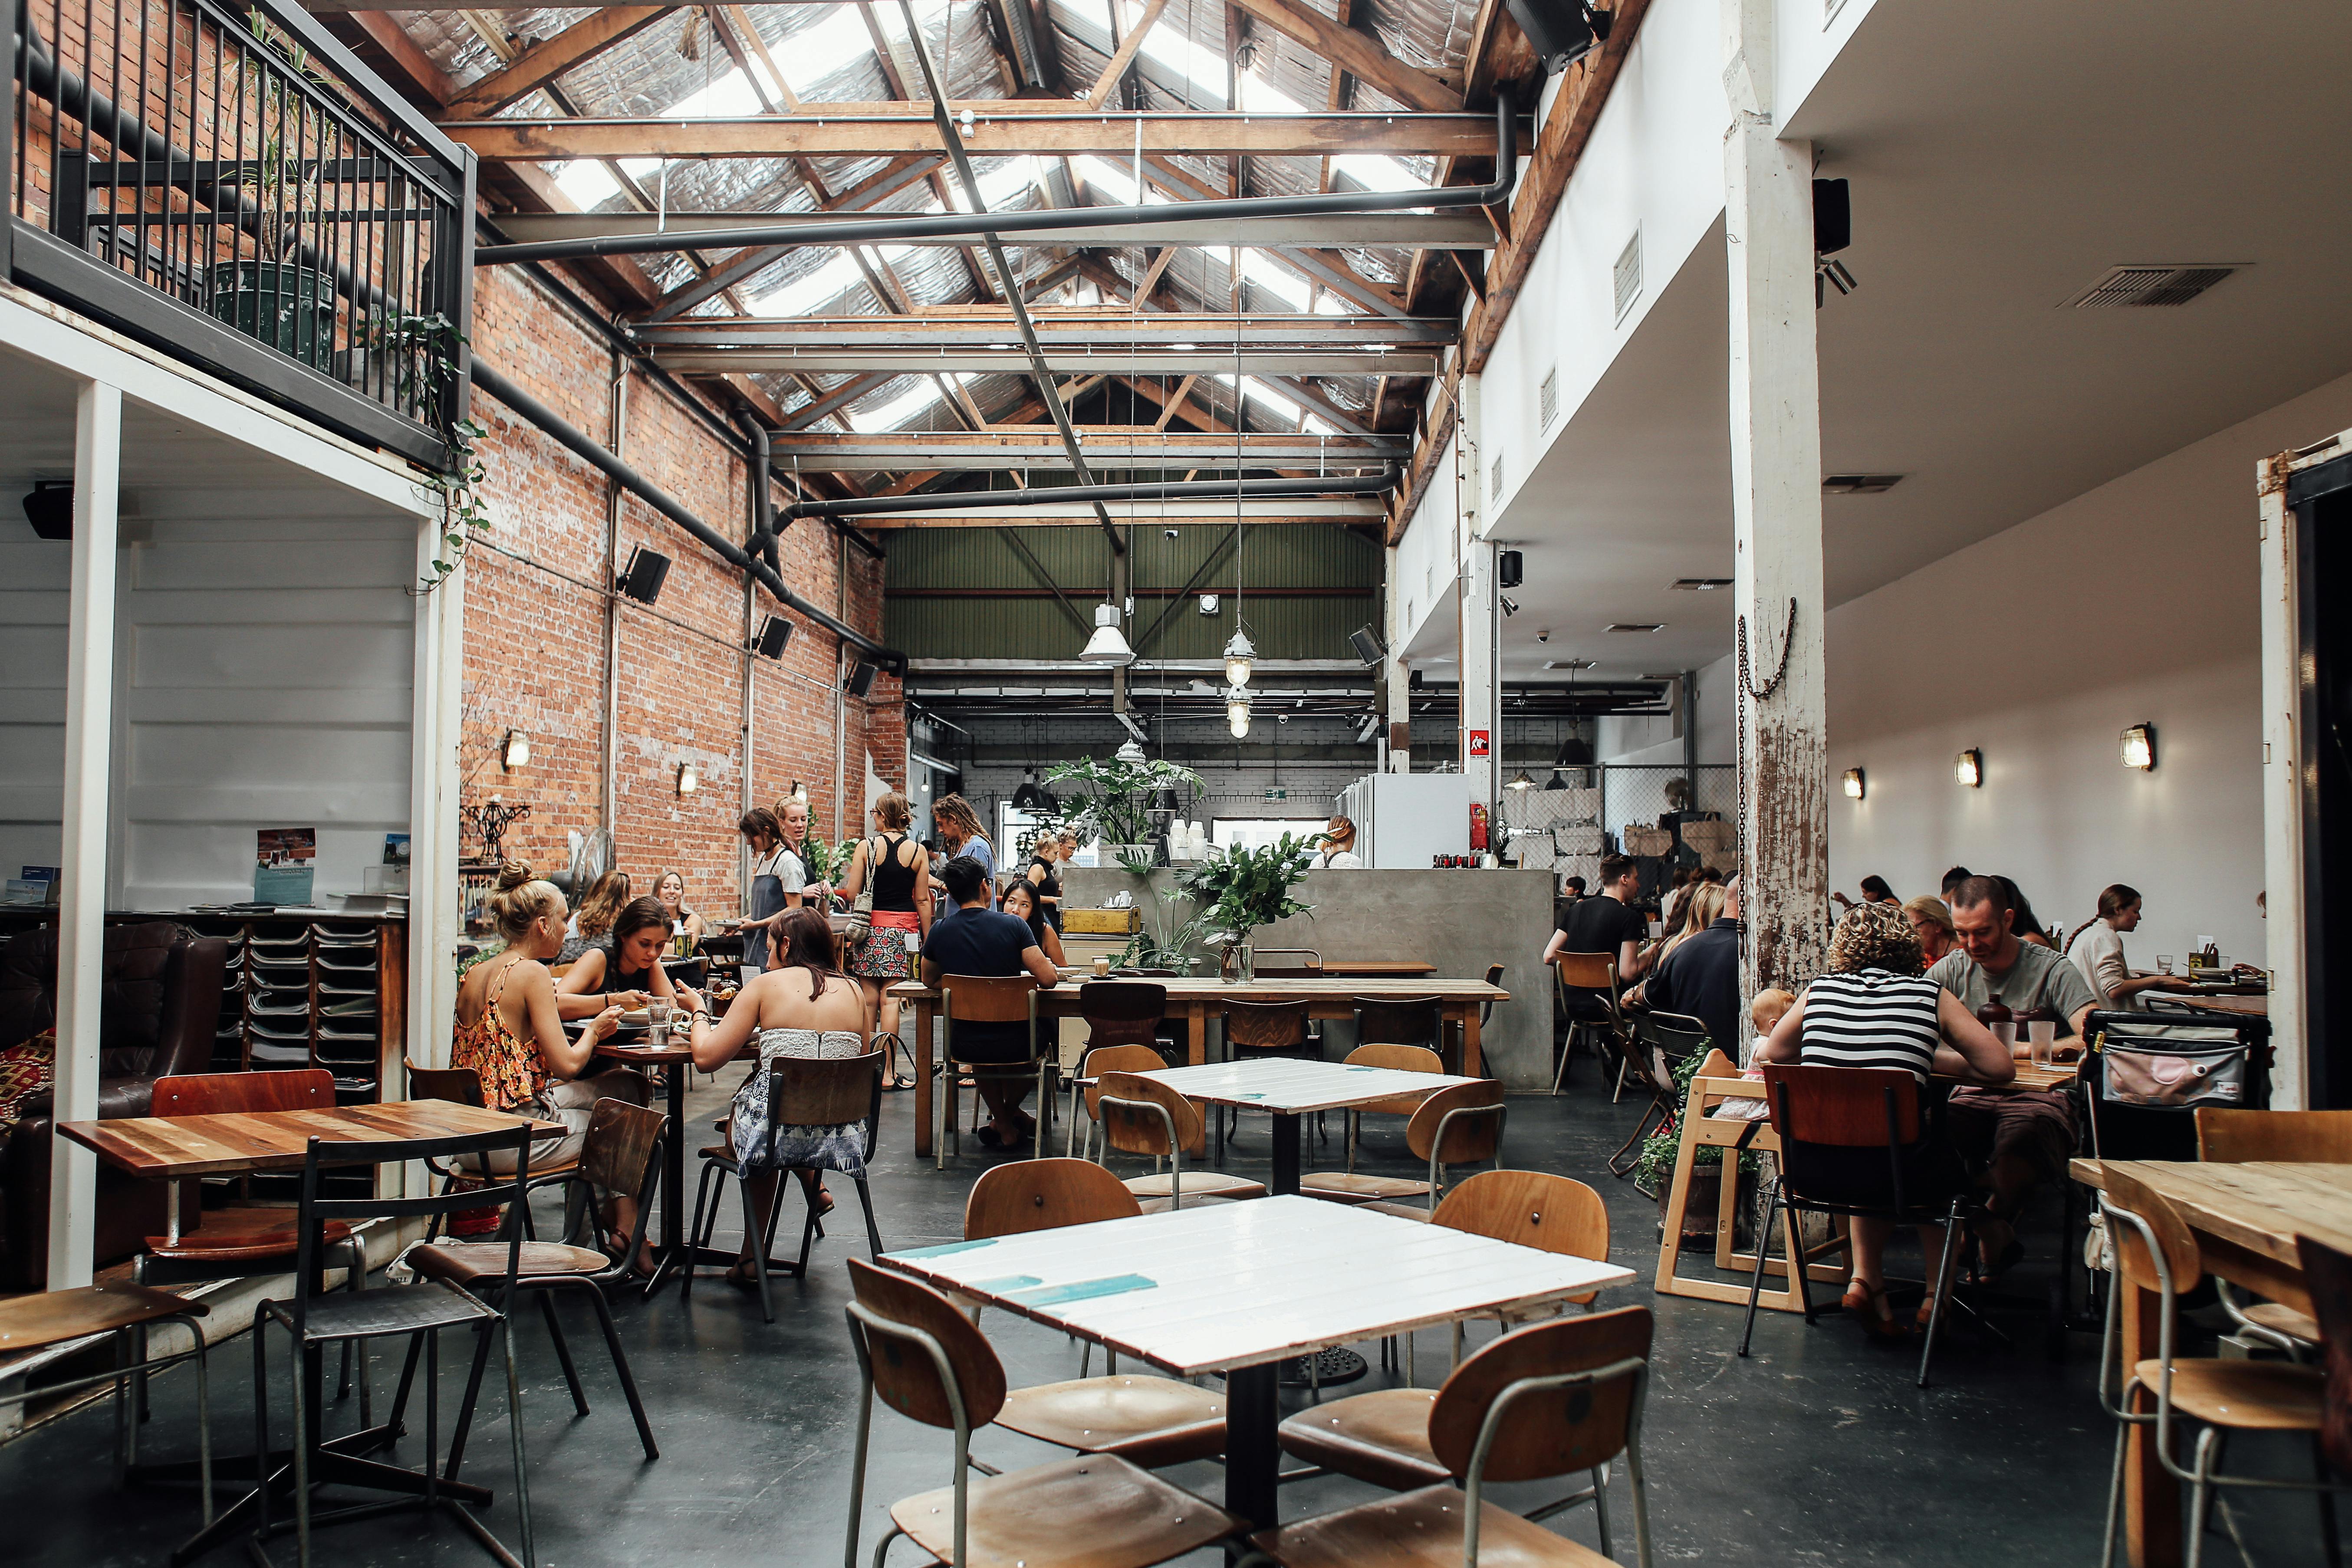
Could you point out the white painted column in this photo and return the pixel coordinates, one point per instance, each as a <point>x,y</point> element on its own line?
<point>1394,675</point>
<point>2283,863</point>
<point>1775,498</point>
<point>433,821</point>
<point>81,915</point>
<point>1480,742</point>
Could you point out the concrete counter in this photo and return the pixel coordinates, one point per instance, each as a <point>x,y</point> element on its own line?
<point>1459,920</point>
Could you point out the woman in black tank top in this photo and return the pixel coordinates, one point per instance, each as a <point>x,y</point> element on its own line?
<point>897,872</point>
<point>1043,877</point>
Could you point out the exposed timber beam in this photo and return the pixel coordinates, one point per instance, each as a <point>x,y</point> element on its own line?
<point>1110,448</point>
<point>1101,328</point>
<point>1362,55</point>
<point>748,358</point>
<point>1366,511</point>
<point>1001,128</point>
<point>1401,231</point>
<point>543,62</point>
<point>1108,83</point>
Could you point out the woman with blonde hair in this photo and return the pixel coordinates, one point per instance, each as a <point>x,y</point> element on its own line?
<point>960,835</point>
<point>884,953</point>
<point>606,897</point>
<point>1931,921</point>
<point>670,889</point>
<point>510,1034</point>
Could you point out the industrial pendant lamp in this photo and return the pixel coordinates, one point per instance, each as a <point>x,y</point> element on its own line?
<point>1238,652</point>
<point>1107,645</point>
<point>1521,781</point>
<point>1132,754</point>
<point>1237,710</point>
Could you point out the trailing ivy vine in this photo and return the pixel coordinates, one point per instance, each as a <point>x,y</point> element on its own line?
<point>424,351</point>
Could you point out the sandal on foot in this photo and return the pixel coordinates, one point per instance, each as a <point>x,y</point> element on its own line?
<point>1867,1302</point>
<point>742,1277</point>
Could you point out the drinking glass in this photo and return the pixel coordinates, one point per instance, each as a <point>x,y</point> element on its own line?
<point>2042,1036</point>
<point>658,1018</point>
<point>2164,963</point>
<point>2005,1031</point>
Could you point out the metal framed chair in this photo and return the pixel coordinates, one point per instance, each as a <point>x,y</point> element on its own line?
<point>929,1363</point>
<point>2304,1137</point>
<point>1144,1116</point>
<point>1085,1088</point>
<point>1500,1418</point>
<point>1664,1042</point>
<point>2156,1250</point>
<point>984,999</point>
<point>1588,1000</point>
<point>1152,1420</point>
<point>621,1153</point>
<point>313,1319</point>
<point>1397,1058</point>
<point>460,1085</point>
<point>1815,1109</point>
<point>803,1091</point>
<point>128,1313</point>
<point>1459,1125</point>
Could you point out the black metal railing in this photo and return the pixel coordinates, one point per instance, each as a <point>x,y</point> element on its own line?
<point>230,186</point>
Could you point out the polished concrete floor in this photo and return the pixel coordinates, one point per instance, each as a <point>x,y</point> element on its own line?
<point>1818,1448</point>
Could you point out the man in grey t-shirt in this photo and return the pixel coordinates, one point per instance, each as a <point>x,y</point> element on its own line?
<point>2017,1137</point>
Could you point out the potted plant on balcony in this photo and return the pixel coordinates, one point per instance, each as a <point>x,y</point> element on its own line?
<point>275,295</point>
<point>1246,889</point>
<point>1115,805</point>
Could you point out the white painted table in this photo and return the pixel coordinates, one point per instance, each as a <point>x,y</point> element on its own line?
<point>1238,1288</point>
<point>1291,1088</point>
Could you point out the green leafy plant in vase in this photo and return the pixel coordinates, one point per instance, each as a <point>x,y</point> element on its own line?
<point>1246,889</point>
<point>1113,803</point>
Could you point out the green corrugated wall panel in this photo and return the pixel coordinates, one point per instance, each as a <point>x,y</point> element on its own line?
<point>1036,629</point>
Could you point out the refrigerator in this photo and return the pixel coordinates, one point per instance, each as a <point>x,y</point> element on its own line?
<point>1402,819</point>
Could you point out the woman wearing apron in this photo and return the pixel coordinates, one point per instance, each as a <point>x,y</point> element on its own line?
<point>776,879</point>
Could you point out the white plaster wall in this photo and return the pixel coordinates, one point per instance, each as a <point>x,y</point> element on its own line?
<point>1632,740</point>
<point>2135,601</point>
<point>1425,565</point>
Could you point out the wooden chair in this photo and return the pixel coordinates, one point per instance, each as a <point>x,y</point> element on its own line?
<point>1717,1081</point>
<point>1382,1436</point>
<point>932,1366</point>
<point>460,1085</point>
<point>2328,1276</point>
<point>1459,1125</point>
<point>1144,1116</point>
<point>1403,1021</point>
<point>1397,1058</point>
<point>984,999</point>
<point>2156,1250</point>
<point>240,1243</point>
<point>622,1155</point>
<point>1125,1013</point>
<point>2298,1137</point>
<point>1264,1029</point>
<point>1149,1421</point>
<point>1578,974</point>
<point>1085,1091</point>
<point>1498,1419</point>
<point>1818,1108</point>
<point>803,1091</point>
<point>128,1313</point>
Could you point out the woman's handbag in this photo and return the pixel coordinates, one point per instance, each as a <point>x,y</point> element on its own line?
<point>861,908</point>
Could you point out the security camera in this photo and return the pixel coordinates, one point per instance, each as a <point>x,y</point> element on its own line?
<point>1510,607</point>
<point>1168,532</point>
<point>1544,636</point>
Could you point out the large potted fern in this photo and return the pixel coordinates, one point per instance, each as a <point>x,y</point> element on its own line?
<point>1246,889</point>
<point>1113,803</point>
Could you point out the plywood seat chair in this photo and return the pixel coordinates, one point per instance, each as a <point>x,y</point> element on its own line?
<point>1144,1116</point>
<point>2296,1137</point>
<point>1458,1125</point>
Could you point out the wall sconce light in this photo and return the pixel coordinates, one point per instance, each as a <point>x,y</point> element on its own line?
<point>1969,769</point>
<point>516,751</point>
<point>1853,784</point>
<point>689,780</point>
<point>2139,747</point>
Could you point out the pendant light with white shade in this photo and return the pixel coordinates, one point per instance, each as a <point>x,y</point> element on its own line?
<point>1108,645</point>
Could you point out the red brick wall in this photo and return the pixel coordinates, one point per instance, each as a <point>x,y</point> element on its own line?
<point>536,648</point>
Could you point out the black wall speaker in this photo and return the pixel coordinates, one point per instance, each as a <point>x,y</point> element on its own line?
<point>1832,217</point>
<point>861,679</point>
<point>1562,31</point>
<point>775,633</point>
<point>49,508</point>
<point>1509,568</point>
<point>643,581</point>
<point>1367,643</point>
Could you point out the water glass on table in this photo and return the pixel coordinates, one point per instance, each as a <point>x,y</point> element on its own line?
<point>2164,963</point>
<point>2042,1035</point>
<point>659,1018</point>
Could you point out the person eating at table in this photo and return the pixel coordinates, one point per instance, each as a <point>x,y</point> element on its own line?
<point>670,889</point>
<point>1699,977</point>
<point>1025,903</point>
<point>592,922</point>
<point>510,1035</point>
<point>802,1006</point>
<point>1874,890</point>
<point>628,974</point>
<point>979,941</point>
<point>1932,919</point>
<point>2097,951</point>
<point>2017,1137</point>
<point>1875,1009</point>
<point>1606,921</point>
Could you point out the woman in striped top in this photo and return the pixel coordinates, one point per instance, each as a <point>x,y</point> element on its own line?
<point>1875,1009</point>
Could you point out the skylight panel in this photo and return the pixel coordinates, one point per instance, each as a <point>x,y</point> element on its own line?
<point>587,182</point>
<point>895,413</point>
<point>803,296</point>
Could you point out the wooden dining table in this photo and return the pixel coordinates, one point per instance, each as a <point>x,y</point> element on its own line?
<point>2246,1218</point>
<point>1195,999</point>
<point>172,1149</point>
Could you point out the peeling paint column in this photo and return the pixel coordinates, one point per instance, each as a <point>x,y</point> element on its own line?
<point>1775,498</point>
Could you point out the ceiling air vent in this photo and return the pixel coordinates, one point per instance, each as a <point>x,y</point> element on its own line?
<point>1628,274</point>
<point>1699,584</point>
<point>2135,287</point>
<point>1570,665</point>
<point>1635,626</point>
<point>1859,484</point>
<point>1548,399</point>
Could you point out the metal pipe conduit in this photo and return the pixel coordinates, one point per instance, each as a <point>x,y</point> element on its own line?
<point>1196,490</point>
<point>670,507</point>
<point>935,225</point>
